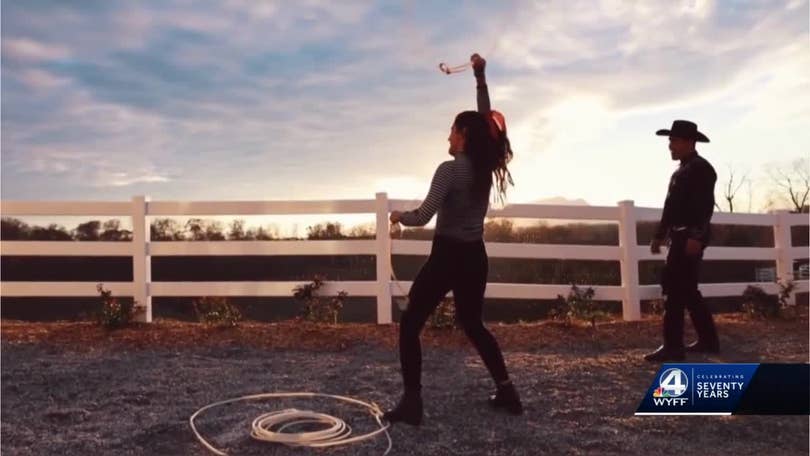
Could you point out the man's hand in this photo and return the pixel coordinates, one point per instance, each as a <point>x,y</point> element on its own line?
<point>395,216</point>
<point>693,247</point>
<point>655,246</point>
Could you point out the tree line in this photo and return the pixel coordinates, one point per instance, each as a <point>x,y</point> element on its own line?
<point>495,230</point>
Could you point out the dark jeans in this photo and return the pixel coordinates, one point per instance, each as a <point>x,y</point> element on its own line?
<point>460,267</point>
<point>680,285</point>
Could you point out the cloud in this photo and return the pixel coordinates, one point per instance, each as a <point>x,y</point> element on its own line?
<point>123,179</point>
<point>266,98</point>
<point>642,53</point>
<point>696,54</point>
<point>40,80</point>
<point>30,50</point>
<point>86,169</point>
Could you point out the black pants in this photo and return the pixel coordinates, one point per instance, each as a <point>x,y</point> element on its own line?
<point>680,285</point>
<point>461,267</point>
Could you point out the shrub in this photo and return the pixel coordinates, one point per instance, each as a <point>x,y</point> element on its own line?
<point>578,305</point>
<point>444,317</point>
<point>217,312</point>
<point>314,308</point>
<point>786,288</point>
<point>114,313</point>
<point>657,307</point>
<point>758,303</point>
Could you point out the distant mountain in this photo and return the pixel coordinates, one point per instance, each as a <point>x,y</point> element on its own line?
<point>562,201</point>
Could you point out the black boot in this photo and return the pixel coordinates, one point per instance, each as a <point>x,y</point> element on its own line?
<point>703,347</point>
<point>708,341</point>
<point>506,398</point>
<point>409,409</point>
<point>664,354</point>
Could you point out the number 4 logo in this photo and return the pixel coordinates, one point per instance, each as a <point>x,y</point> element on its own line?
<point>674,381</point>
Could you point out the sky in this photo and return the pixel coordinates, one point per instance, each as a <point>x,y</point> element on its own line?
<point>314,99</point>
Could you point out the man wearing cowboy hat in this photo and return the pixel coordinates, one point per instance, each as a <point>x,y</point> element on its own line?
<point>686,223</point>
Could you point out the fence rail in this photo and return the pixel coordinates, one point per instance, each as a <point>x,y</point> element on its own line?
<point>628,253</point>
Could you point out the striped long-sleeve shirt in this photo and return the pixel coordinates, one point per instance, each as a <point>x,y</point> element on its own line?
<point>461,212</point>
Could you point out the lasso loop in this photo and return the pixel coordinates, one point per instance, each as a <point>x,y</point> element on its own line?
<point>444,68</point>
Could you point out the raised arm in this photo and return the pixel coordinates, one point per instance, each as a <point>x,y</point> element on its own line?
<point>482,94</point>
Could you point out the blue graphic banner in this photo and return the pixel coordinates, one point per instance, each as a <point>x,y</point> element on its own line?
<point>725,389</point>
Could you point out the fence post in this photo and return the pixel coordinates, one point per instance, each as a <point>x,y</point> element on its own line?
<point>383,261</point>
<point>141,260</point>
<point>782,243</point>
<point>628,244</point>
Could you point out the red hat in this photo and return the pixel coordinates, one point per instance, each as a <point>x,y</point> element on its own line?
<point>497,124</point>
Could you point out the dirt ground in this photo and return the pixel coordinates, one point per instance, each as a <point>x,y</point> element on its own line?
<point>74,388</point>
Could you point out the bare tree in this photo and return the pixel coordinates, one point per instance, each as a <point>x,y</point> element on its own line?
<point>237,232</point>
<point>793,183</point>
<point>750,191</point>
<point>363,231</point>
<point>732,186</point>
<point>265,234</point>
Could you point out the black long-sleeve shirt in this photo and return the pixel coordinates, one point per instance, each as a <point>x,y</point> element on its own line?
<point>461,211</point>
<point>690,200</point>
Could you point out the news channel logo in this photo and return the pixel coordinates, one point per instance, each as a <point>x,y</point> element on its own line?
<point>672,383</point>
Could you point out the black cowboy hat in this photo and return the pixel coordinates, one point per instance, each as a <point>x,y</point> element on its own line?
<point>684,129</point>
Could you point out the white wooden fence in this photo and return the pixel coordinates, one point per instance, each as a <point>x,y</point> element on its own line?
<point>628,252</point>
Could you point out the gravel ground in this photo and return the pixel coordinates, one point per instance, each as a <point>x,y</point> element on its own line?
<point>74,389</point>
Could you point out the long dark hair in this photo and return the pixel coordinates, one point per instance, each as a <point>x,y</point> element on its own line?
<point>489,154</point>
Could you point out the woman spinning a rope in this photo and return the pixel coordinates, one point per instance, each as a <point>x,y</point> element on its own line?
<point>459,192</point>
